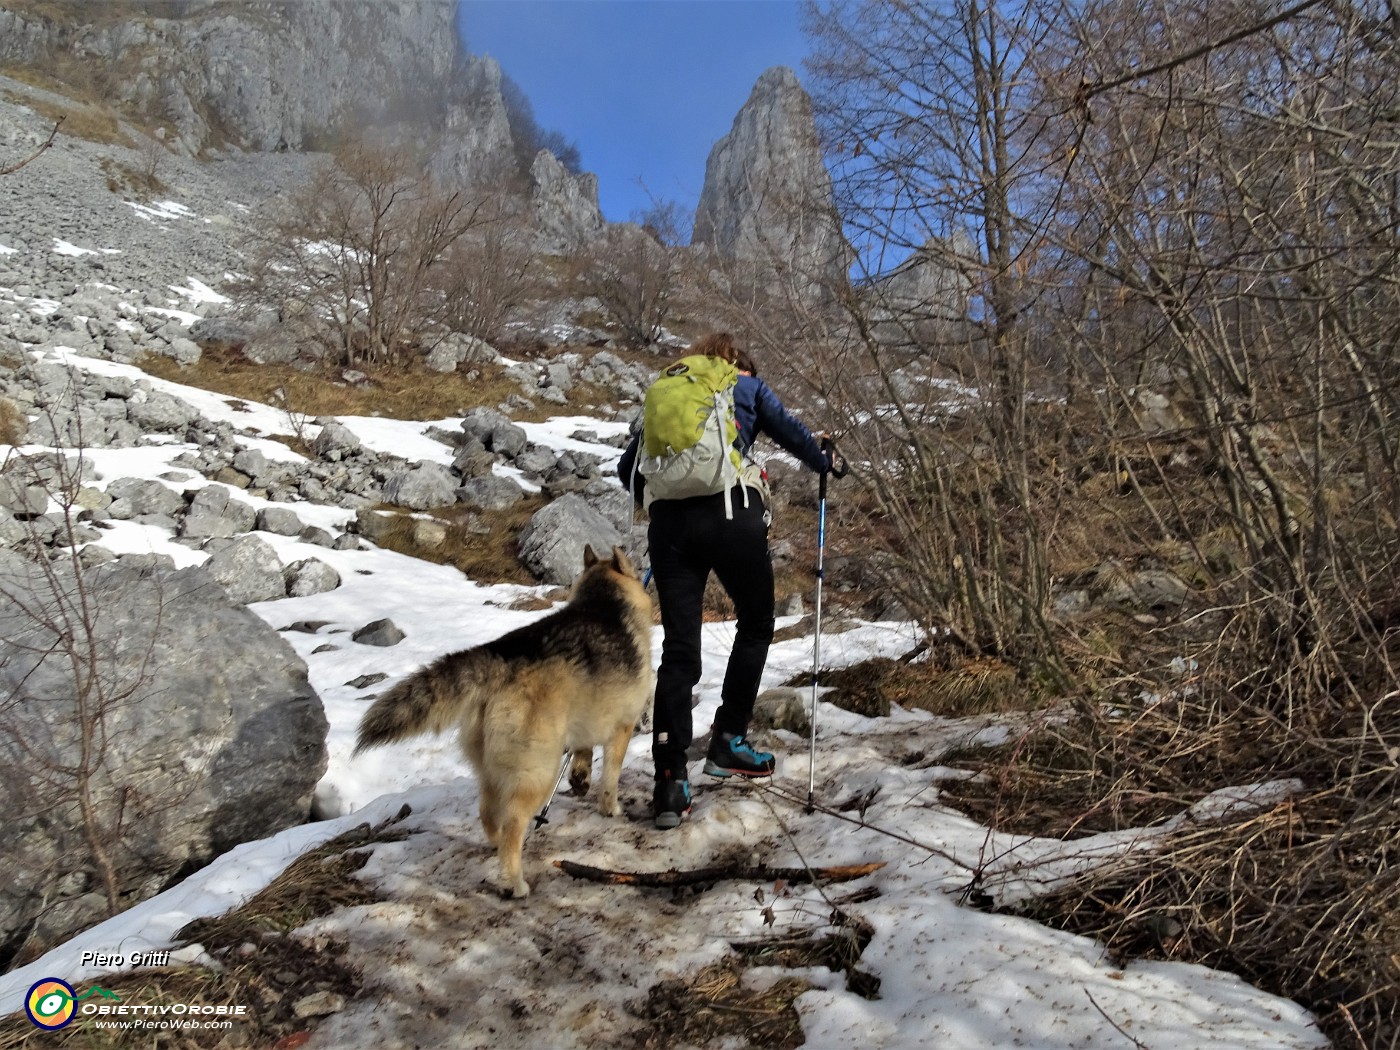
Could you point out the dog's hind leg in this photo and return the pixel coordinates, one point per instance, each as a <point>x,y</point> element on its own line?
<point>614,750</point>
<point>581,772</point>
<point>530,791</point>
<point>508,850</point>
<point>490,812</point>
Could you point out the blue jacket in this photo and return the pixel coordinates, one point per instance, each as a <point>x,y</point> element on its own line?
<point>757,410</point>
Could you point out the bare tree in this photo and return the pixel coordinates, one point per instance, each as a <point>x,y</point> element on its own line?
<point>1235,222</point>
<point>634,276</point>
<point>57,725</point>
<point>356,251</point>
<point>487,273</point>
<point>931,109</point>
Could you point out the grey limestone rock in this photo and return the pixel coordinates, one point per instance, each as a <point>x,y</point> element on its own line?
<point>382,633</point>
<point>280,521</point>
<point>213,512</point>
<point>551,544</point>
<point>566,206</point>
<point>335,441</point>
<point>286,76</point>
<point>136,497</point>
<point>767,196</point>
<point>248,568</point>
<point>310,576</point>
<point>490,493</point>
<point>212,736</point>
<point>428,486</point>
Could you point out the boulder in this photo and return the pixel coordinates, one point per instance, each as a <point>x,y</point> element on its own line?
<point>248,568</point>
<point>551,544</point>
<point>213,512</point>
<point>335,441</point>
<point>137,497</point>
<point>156,410</point>
<point>22,499</point>
<point>427,486</point>
<point>310,576</point>
<point>280,521</point>
<point>382,633</point>
<point>208,731</point>
<point>490,493</point>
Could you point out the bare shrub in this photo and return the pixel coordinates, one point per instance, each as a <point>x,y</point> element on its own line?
<point>487,274</point>
<point>1173,354</point>
<point>635,277</point>
<point>355,253</point>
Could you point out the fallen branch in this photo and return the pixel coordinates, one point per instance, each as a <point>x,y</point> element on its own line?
<point>743,872</point>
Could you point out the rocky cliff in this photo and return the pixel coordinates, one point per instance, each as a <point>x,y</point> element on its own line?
<point>767,198</point>
<point>272,74</point>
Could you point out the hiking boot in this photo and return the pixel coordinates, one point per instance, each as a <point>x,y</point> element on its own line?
<point>671,800</point>
<point>730,756</point>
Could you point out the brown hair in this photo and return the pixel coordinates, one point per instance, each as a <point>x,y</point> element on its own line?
<point>716,344</point>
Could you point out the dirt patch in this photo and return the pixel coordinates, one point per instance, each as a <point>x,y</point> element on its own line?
<point>714,1008</point>
<point>1047,785</point>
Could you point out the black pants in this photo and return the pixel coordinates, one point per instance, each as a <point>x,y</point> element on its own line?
<point>689,539</point>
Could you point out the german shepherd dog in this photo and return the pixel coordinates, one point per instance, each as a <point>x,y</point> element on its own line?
<point>570,681</point>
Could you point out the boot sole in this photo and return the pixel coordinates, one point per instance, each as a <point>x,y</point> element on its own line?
<point>667,821</point>
<point>713,769</point>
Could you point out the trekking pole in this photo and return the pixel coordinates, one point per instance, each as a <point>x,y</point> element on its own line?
<point>543,817</point>
<point>838,468</point>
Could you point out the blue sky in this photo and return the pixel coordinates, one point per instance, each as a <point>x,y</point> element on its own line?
<point>643,87</point>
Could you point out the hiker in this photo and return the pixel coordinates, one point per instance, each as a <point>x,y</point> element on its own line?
<point>725,533</point>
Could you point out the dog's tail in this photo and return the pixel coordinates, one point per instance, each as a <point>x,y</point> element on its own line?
<point>429,700</point>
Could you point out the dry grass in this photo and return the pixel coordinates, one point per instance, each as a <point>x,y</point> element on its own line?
<point>14,424</point>
<point>396,392</point>
<point>954,688</point>
<point>486,555</point>
<point>92,122</point>
<point>1302,900</point>
<point>85,12</point>
<point>129,179</point>
<point>261,966</point>
<point>714,1008</point>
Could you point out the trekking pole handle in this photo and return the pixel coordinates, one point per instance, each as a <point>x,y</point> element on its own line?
<point>838,467</point>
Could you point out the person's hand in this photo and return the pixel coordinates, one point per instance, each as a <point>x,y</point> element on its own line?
<point>836,464</point>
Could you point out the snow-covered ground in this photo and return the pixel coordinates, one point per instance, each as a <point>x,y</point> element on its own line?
<point>448,963</point>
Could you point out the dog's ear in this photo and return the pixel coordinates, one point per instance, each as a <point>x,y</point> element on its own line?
<point>620,562</point>
<point>589,558</point>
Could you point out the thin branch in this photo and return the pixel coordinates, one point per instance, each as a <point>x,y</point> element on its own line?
<point>1089,91</point>
<point>1116,1026</point>
<point>742,872</point>
<point>35,155</point>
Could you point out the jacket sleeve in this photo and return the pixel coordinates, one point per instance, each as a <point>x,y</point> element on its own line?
<point>787,430</point>
<point>625,467</point>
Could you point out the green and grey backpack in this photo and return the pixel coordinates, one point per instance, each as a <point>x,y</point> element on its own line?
<point>688,431</point>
